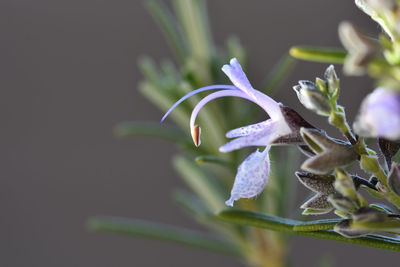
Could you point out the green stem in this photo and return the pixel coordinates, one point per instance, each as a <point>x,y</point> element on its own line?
<point>368,163</point>
<point>288,226</point>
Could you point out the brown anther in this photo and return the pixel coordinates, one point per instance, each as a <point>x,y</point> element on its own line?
<point>196,135</point>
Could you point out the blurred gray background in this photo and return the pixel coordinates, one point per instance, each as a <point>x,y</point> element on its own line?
<point>68,75</point>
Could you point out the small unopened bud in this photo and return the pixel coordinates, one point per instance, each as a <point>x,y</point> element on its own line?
<point>369,163</point>
<point>312,98</point>
<point>344,185</point>
<point>345,229</point>
<point>368,214</point>
<point>342,203</point>
<point>332,81</point>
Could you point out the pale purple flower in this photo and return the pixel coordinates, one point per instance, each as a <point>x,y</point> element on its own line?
<point>253,173</point>
<point>380,115</point>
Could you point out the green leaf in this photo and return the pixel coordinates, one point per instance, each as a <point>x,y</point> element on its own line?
<point>235,49</point>
<point>213,159</point>
<point>148,229</point>
<point>319,54</point>
<point>287,226</point>
<point>169,26</point>
<point>193,19</point>
<point>203,184</point>
<point>164,101</point>
<point>279,72</point>
<point>152,129</point>
<point>199,211</point>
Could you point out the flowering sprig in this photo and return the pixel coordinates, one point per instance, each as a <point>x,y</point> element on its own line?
<point>327,156</point>
<point>283,127</point>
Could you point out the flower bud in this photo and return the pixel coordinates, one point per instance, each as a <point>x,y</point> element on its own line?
<point>312,98</point>
<point>342,203</point>
<point>332,81</point>
<point>345,229</point>
<point>344,185</point>
<point>379,115</point>
<point>368,214</point>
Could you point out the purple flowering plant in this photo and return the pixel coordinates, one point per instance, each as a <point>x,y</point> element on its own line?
<point>260,161</point>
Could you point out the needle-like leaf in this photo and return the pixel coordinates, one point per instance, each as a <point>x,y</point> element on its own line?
<point>148,229</point>
<point>319,54</point>
<point>287,226</point>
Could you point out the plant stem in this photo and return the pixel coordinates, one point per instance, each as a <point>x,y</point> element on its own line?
<point>288,226</point>
<point>368,163</point>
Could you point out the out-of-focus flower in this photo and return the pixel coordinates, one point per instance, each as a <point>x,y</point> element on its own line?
<point>329,152</point>
<point>379,115</point>
<point>360,49</point>
<point>283,127</point>
<point>378,10</point>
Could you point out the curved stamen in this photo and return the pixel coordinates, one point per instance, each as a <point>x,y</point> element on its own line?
<point>194,130</point>
<point>211,87</point>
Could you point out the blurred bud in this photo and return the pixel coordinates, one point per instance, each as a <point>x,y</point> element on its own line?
<point>345,229</point>
<point>388,149</point>
<point>368,214</point>
<point>360,49</point>
<point>344,185</point>
<point>321,85</point>
<point>312,98</point>
<point>379,115</point>
<point>361,222</point>
<point>330,153</point>
<point>333,82</point>
<point>342,203</point>
<point>394,178</point>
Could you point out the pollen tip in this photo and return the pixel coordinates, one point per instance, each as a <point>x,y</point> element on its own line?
<point>196,132</point>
